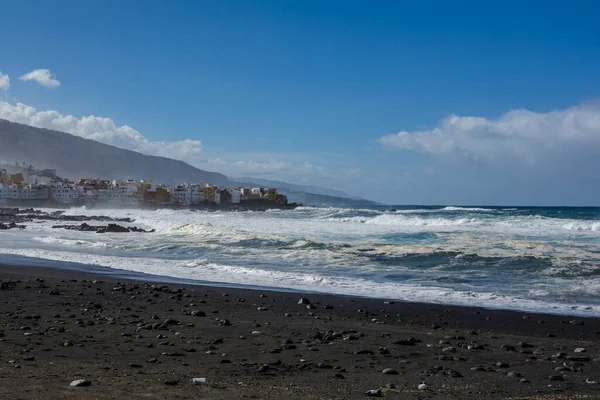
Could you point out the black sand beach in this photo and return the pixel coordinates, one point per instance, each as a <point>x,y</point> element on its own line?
<point>139,340</point>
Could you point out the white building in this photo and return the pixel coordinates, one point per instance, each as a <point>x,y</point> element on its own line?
<point>124,192</point>
<point>182,195</point>
<point>236,196</point>
<point>40,180</point>
<point>17,193</point>
<point>197,194</point>
<point>67,194</point>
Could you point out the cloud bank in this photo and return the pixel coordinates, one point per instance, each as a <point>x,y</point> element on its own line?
<point>284,167</point>
<point>4,81</point>
<point>42,76</point>
<point>100,129</point>
<point>519,137</point>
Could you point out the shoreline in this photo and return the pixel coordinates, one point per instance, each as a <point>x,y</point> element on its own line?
<point>493,319</point>
<point>15,260</point>
<point>137,339</point>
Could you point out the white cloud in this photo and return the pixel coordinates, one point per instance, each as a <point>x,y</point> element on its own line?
<point>4,81</point>
<point>523,137</point>
<point>100,129</point>
<point>287,168</point>
<point>42,76</point>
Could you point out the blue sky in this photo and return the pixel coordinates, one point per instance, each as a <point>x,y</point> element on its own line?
<point>317,91</point>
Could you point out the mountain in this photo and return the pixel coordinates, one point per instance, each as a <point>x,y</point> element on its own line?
<point>75,157</point>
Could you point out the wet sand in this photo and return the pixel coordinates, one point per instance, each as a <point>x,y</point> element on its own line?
<point>142,340</point>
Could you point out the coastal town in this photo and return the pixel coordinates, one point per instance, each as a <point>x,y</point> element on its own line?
<point>34,186</point>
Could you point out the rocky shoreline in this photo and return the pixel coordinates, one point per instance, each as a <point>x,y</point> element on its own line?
<point>110,228</point>
<point>70,335</point>
<point>10,217</point>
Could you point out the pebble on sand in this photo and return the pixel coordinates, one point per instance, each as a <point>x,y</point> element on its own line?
<point>80,383</point>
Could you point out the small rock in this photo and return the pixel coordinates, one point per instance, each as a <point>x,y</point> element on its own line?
<point>579,350</point>
<point>303,300</point>
<point>373,393</point>
<point>80,383</point>
<point>556,378</point>
<point>389,371</point>
<point>422,386</point>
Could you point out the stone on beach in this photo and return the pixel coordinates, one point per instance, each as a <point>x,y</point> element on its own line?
<point>80,383</point>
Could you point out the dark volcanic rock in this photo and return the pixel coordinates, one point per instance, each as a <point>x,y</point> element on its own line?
<point>110,228</point>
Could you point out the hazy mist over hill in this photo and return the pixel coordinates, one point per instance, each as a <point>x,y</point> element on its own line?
<point>75,157</point>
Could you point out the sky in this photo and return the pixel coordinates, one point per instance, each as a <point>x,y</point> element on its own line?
<point>403,102</point>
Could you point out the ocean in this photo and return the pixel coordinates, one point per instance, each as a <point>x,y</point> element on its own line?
<point>537,259</point>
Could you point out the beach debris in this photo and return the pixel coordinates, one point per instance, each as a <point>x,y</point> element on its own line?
<point>579,350</point>
<point>373,393</point>
<point>422,386</point>
<point>587,380</point>
<point>80,383</point>
<point>198,380</point>
<point>263,308</point>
